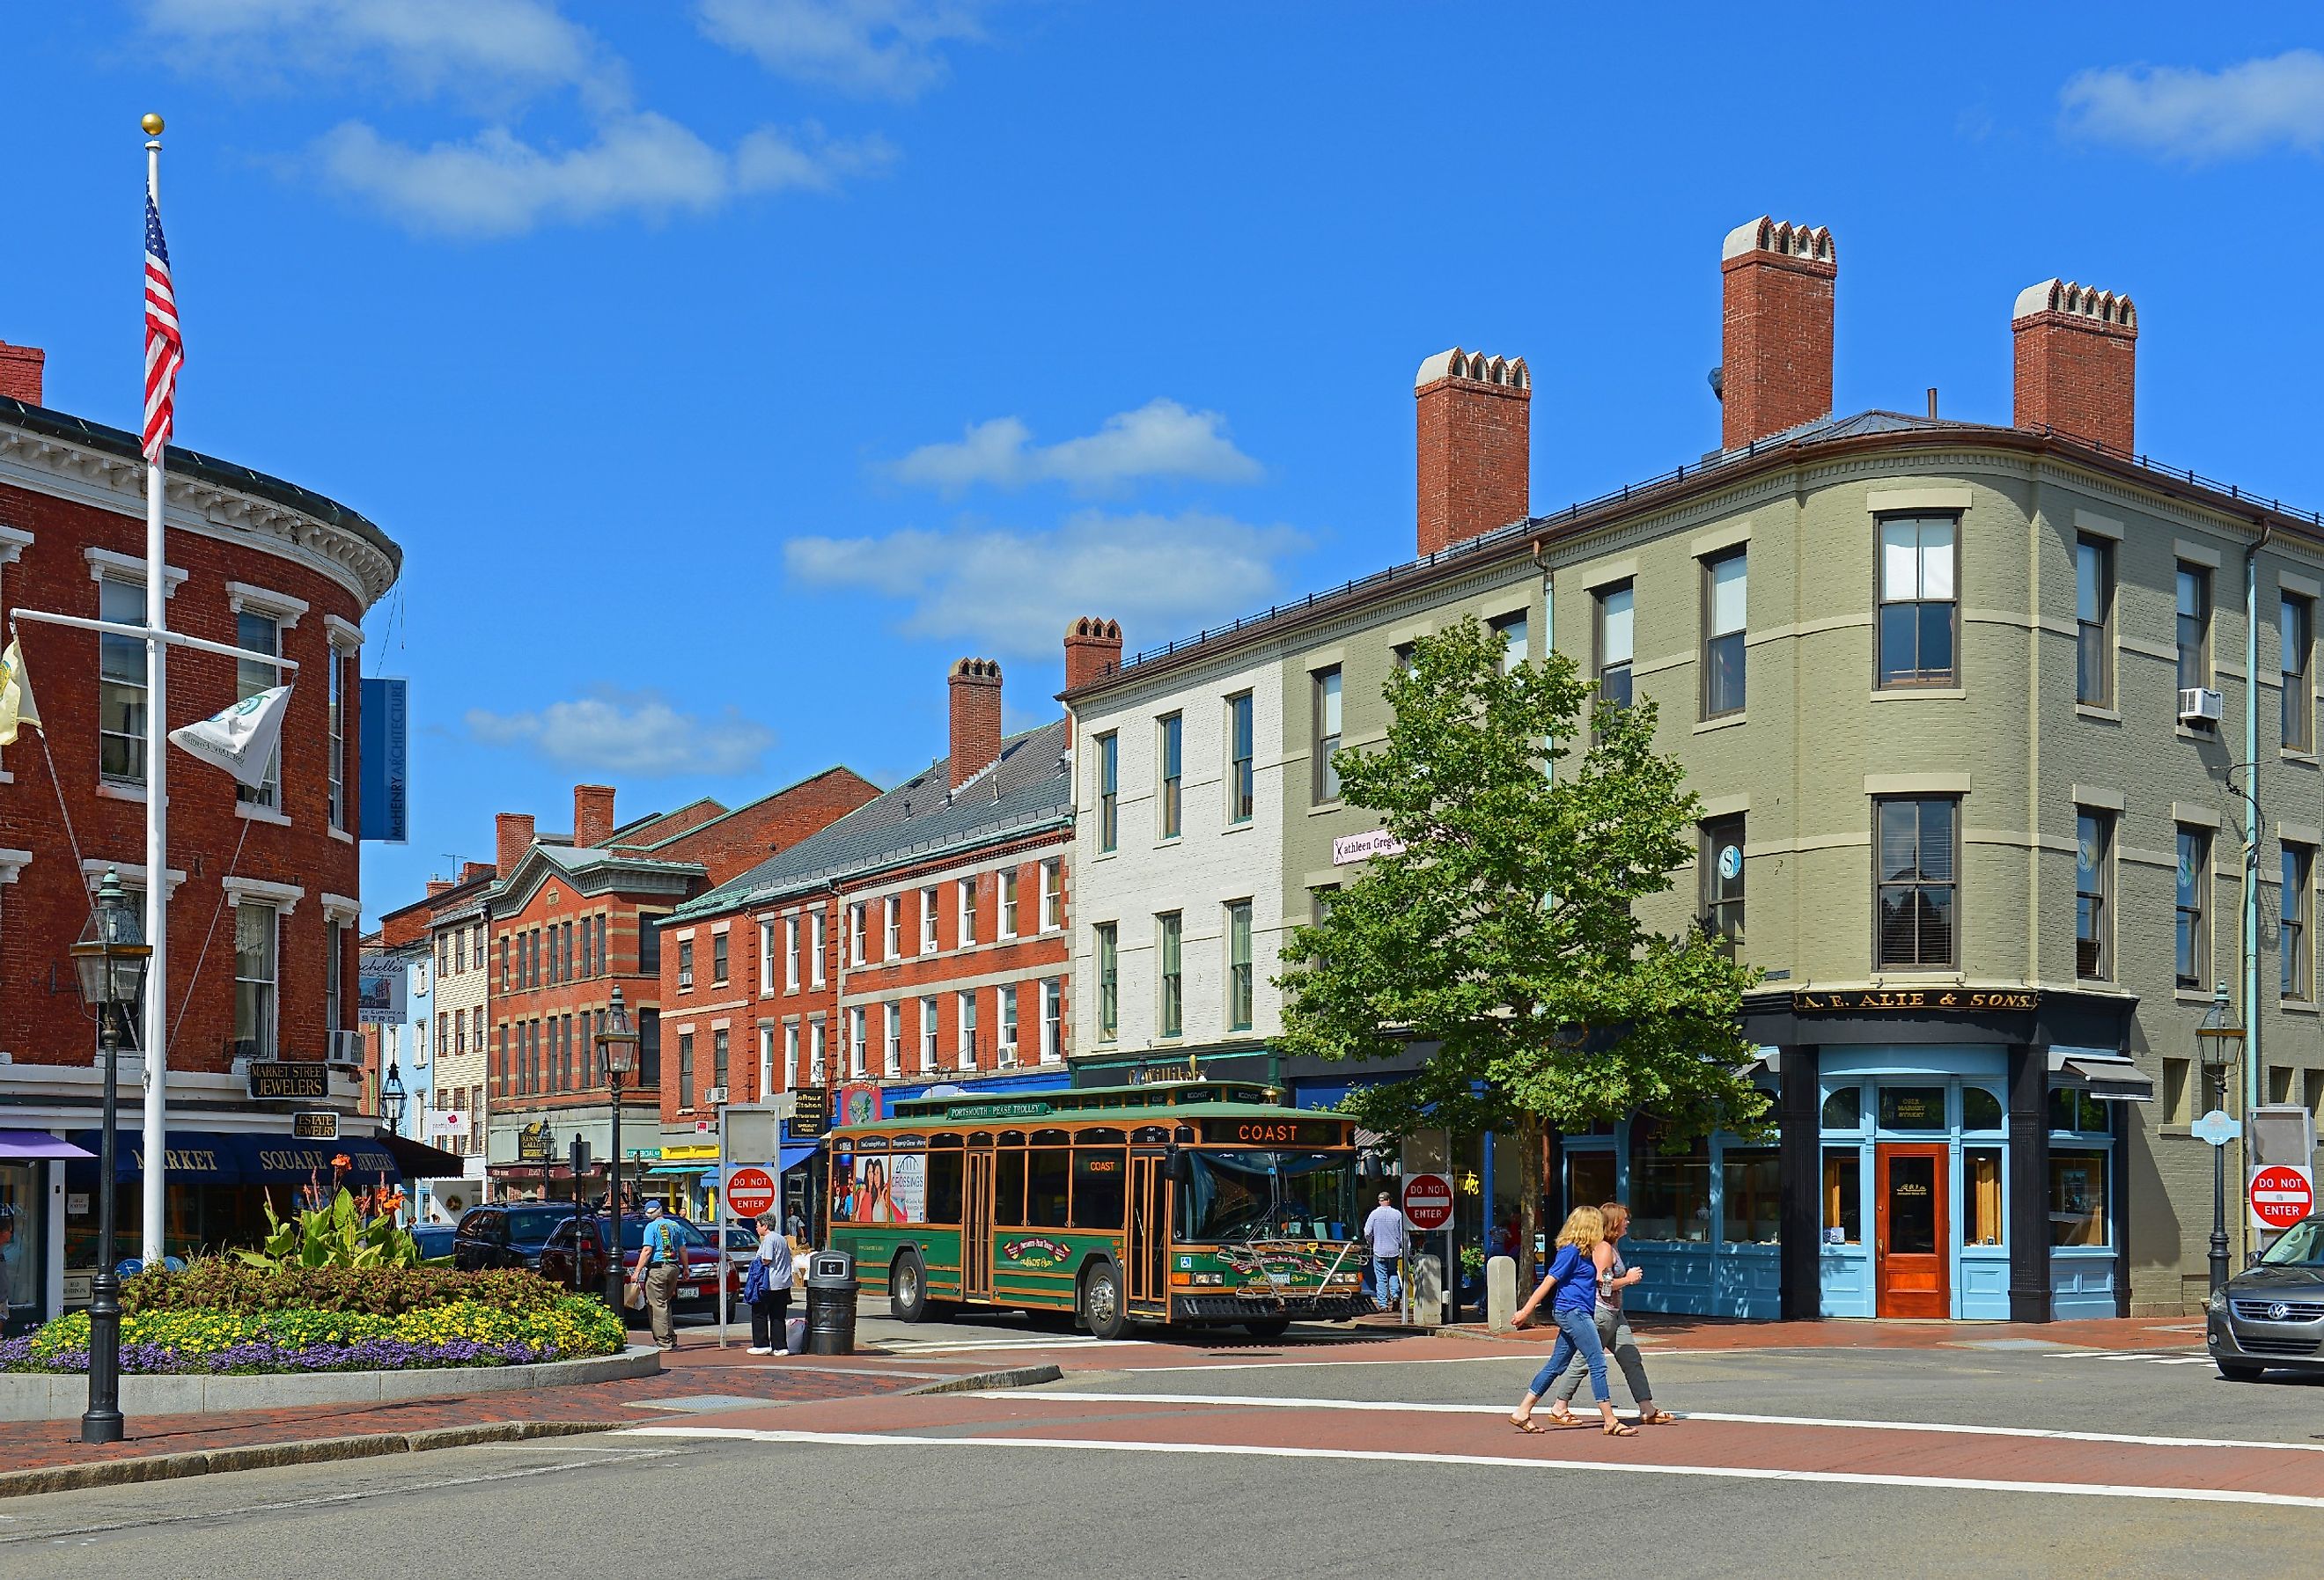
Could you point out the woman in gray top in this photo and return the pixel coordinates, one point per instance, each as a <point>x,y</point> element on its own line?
<point>1614,1276</point>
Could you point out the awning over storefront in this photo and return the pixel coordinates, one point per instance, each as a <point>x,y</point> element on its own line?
<point>202,1156</point>
<point>2109,1078</point>
<point>18,1146</point>
<point>795,1153</point>
<point>418,1161</point>
<point>675,1169</point>
<point>1049,1078</point>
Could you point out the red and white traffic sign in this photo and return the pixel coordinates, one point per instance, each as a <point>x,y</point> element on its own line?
<point>2281,1195</point>
<point>749,1193</point>
<point>1428,1201</point>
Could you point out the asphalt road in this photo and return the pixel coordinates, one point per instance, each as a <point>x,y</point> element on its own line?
<point>1298,1459</point>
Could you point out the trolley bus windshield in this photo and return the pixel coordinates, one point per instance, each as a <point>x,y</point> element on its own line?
<point>1245,1196</point>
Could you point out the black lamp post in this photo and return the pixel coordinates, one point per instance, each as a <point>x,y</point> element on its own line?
<point>617,1049</point>
<point>393,1099</point>
<point>109,959</point>
<point>2218,1038</point>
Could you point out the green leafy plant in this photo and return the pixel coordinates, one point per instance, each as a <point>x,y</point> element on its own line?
<point>222,1283</point>
<point>336,1235</point>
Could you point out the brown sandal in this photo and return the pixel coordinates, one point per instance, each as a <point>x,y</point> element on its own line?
<point>1658,1418</point>
<point>1621,1429</point>
<point>1527,1427</point>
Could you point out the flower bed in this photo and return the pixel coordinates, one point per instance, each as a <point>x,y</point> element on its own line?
<point>320,1320</point>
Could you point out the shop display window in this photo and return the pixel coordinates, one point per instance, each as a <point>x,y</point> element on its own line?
<point>1844,1109</point>
<point>1913,1108</point>
<point>1981,1109</point>
<point>1670,1193</point>
<point>1843,1196</point>
<point>2077,1197</point>
<point>2077,1111</point>
<point>1981,1193</point>
<point>1751,1189</point>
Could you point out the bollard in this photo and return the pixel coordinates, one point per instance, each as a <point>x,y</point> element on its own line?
<point>1500,1292</point>
<point>1425,1285</point>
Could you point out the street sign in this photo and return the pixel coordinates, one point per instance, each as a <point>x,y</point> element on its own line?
<point>2281,1195</point>
<point>316,1125</point>
<point>749,1193</point>
<point>1428,1201</point>
<point>447,1122</point>
<point>810,1114</point>
<point>2216,1128</point>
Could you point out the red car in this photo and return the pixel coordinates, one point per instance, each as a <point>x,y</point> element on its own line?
<point>698,1289</point>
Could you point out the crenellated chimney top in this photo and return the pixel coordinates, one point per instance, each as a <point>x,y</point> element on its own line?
<point>1092,650</point>
<point>2075,351</point>
<point>975,718</point>
<point>1775,372</point>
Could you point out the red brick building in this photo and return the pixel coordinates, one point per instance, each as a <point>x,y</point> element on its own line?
<point>921,939</point>
<point>263,901</point>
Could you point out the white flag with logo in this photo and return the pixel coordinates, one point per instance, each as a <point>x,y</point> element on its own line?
<point>240,739</point>
<point>16,708</point>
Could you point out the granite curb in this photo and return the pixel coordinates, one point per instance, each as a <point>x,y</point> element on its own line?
<point>976,1381</point>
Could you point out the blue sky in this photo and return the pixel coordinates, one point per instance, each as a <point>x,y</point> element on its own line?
<point>728,367</point>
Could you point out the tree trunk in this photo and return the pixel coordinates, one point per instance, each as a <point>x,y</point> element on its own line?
<point>1533,1138</point>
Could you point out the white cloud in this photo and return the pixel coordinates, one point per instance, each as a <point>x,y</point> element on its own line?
<point>1161,439</point>
<point>2195,115</point>
<point>1012,593</point>
<point>884,47</point>
<point>635,732</point>
<point>497,184</point>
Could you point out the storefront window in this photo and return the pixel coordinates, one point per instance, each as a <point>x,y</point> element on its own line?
<point>2077,1111</point>
<point>1981,1109</point>
<point>1670,1193</point>
<point>23,1246</point>
<point>1589,1180</point>
<point>1913,1108</point>
<point>1981,1191</point>
<point>1751,1182</point>
<point>1844,1109</point>
<point>2077,1197</point>
<point>1843,1196</point>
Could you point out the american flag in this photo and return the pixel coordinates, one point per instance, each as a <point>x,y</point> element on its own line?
<point>165,353</point>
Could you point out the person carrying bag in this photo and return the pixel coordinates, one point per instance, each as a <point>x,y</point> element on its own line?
<point>767,1287</point>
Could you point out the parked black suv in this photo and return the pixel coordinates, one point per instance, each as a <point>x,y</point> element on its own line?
<point>508,1235</point>
<point>2272,1314</point>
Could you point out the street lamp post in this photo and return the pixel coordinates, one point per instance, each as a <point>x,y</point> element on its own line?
<point>2218,1038</point>
<point>109,960</point>
<point>393,1099</point>
<point>617,1049</point>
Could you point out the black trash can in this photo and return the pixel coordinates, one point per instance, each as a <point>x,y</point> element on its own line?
<point>831,1303</point>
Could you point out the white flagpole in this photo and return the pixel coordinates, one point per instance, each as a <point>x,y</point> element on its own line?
<point>156,1037</point>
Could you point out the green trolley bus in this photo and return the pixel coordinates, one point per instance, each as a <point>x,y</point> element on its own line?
<point>1197,1203</point>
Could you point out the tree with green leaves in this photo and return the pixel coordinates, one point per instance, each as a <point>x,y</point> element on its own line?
<point>1502,937</point>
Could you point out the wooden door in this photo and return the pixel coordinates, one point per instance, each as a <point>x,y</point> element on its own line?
<point>1148,1250</point>
<point>976,1228</point>
<point>1913,1239</point>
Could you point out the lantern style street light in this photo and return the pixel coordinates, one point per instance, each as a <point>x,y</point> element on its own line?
<point>393,1100</point>
<point>109,961</point>
<point>2218,1041</point>
<point>617,1050</point>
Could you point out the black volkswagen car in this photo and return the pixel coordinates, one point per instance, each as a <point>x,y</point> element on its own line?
<point>508,1235</point>
<point>2272,1314</point>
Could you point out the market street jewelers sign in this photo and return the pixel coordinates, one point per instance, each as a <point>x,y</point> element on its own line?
<point>290,1081</point>
<point>1856,1001</point>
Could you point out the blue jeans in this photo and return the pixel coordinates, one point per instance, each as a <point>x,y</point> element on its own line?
<point>1384,1280</point>
<point>1577,1332</point>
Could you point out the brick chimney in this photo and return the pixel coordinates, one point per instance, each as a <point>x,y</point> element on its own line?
<point>975,718</point>
<point>1775,370</point>
<point>2077,355</point>
<point>1476,445</point>
<point>436,886</point>
<point>593,815</point>
<point>1092,650</point>
<point>473,870</point>
<point>512,834</point>
<point>20,372</point>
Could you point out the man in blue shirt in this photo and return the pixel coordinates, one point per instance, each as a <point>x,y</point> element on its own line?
<point>1385,1232</point>
<point>662,1258</point>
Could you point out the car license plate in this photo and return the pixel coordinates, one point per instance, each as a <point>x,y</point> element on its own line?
<point>688,1291</point>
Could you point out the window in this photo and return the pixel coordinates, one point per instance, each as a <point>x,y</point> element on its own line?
<point>790,953</point>
<point>2194,882</point>
<point>2298,623</point>
<point>443,1031</point>
<point>2178,1091</point>
<point>1008,881</point>
<point>604,951</point>
<point>505,985</point>
<point>2078,1197</point>
<point>1320,901</point>
<point>685,965</point>
<point>1751,1179</point>
<point>1326,688</point>
<point>717,955</point>
<point>1511,630</point>
<point>1109,791</point>
<point>721,1051</point>
<point>817,1062</point>
<point>254,947</point>
<point>257,632</point>
<point>1913,1108</point>
<point>855,933</point>
<point>927,921</point>
<point>928,1034</point>
<point>766,957</point>
<point>856,1050</point>
<point>336,669</point>
<point>1843,1196</point>
<point>815,948</point>
<point>2093,889</point>
<point>1918,883</point>
<point>1916,627</point>
<point>1101,1188</point>
<point>685,1069</point>
<point>1722,882</point>
<point>1724,582</point>
<point>1670,1192</point>
<point>1009,1025</point>
<point>2291,927</point>
<point>1981,1195</point>
<point>1053,896</point>
<point>891,1030</point>
<point>767,1071</point>
<point>334,965</point>
<point>1048,1171</point>
<point>648,1048</point>
<point>1242,788</point>
<point>2094,622</point>
<point>1239,974</point>
<point>1053,1020</point>
<point>791,1055</point>
<point>1169,937</point>
<point>1615,630</point>
<point>1109,980</point>
<point>648,946</point>
<point>2194,627</point>
<point>892,928</point>
<point>968,1030</point>
<point>1170,751</point>
<point>589,951</point>
<point>967,911</point>
<point>121,685</point>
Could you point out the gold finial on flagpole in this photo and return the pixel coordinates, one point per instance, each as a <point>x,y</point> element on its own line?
<point>153,125</point>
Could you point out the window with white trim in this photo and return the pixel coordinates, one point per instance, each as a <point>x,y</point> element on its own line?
<point>892,1037</point>
<point>1009,1023</point>
<point>337,671</point>
<point>1009,903</point>
<point>255,630</point>
<point>855,1048</point>
<point>766,957</point>
<point>815,1060</point>
<point>927,921</point>
<point>256,928</point>
<point>968,1030</point>
<point>121,685</point>
<point>790,954</point>
<point>1053,895</point>
<point>815,948</point>
<point>891,917</point>
<point>967,911</point>
<point>928,1035</point>
<point>855,933</point>
<point>791,1053</point>
<point>1053,1020</point>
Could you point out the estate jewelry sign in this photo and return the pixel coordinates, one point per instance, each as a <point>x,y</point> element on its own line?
<point>1877,1000</point>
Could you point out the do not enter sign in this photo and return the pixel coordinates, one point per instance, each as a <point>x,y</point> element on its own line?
<point>2281,1195</point>
<point>749,1193</point>
<point>1428,1201</point>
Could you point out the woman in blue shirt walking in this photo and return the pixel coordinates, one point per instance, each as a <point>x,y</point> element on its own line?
<point>1573,1276</point>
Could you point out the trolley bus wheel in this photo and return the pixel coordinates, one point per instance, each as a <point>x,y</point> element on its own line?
<point>1102,1308</point>
<point>1272,1327</point>
<point>908,1288</point>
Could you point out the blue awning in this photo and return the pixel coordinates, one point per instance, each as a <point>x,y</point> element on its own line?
<point>795,1153</point>
<point>202,1157</point>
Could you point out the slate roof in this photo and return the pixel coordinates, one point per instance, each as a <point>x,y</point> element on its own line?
<point>1029,788</point>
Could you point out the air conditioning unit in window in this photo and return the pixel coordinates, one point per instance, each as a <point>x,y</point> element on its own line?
<point>2197,705</point>
<point>715,1096</point>
<point>1008,1054</point>
<point>685,982</point>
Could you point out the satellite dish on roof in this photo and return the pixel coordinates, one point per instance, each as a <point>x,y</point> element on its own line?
<point>1718,376</point>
